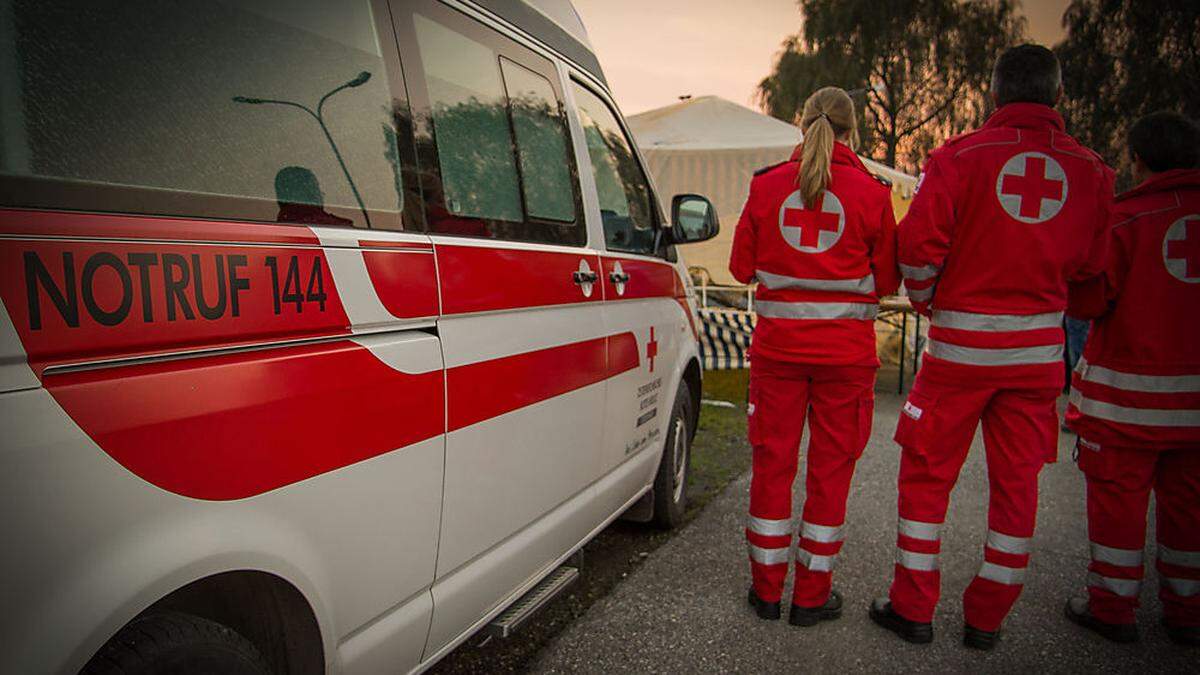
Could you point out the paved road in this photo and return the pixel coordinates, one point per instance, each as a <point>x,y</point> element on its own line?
<point>685,611</point>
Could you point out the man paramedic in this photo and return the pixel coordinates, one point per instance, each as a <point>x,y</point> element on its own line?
<point>1135,398</point>
<point>1004,217</point>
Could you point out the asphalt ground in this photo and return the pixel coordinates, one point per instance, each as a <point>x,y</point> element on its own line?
<point>684,609</point>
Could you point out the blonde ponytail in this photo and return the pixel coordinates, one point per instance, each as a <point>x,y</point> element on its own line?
<point>828,113</point>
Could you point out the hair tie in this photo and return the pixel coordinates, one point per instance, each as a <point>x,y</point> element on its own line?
<point>826,116</point>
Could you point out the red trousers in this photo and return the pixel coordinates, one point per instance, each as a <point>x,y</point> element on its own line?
<point>838,402</point>
<point>1119,481</point>
<point>937,424</point>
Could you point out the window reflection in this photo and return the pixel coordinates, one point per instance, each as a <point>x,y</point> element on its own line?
<point>470,123</point>
<point>140,94</point>
<point>625,205</point>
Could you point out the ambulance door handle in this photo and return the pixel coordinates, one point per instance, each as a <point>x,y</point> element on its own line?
<point>585,277</point>
<point>618,278</point>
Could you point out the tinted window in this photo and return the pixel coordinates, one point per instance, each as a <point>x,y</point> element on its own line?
<point>267,110</point>
<point>491,136</point>
<point>541,144</point>
<point>625,201</point>
<point>470,123</point>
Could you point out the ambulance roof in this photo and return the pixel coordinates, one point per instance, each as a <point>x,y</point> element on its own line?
<point>553,22</point>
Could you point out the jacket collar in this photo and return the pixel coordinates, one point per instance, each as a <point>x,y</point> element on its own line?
<point>842,154</point>
<point>1164,182</point>
<point>1026,116</point>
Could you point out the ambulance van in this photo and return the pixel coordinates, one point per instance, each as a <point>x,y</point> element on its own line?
<point>330,330</point>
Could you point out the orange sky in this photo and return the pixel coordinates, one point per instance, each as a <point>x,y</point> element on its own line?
<point>654,51</point>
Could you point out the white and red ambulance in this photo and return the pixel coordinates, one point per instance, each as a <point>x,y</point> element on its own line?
<point>329,330</point>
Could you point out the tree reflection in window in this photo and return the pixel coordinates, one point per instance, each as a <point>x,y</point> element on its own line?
<point>624,195</point>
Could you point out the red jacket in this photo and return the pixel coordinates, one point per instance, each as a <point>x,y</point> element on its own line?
<point>822,270</point>
<point>1004,216</point>
<point>1138,384</point>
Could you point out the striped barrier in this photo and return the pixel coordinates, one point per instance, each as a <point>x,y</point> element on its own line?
<point>725,338</point>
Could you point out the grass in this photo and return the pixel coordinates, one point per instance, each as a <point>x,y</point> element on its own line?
<point>720,452</point>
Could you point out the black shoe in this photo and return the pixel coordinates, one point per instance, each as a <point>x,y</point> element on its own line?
<point>765,610</point>
<point>911,631</point>
<point>1187,636</point>
<point>1078,613</point>
<point>979,639</point>
<point>811,616</point>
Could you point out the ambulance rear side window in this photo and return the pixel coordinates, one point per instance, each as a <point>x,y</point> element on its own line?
<point>495,155</point>
<point>258,110</point>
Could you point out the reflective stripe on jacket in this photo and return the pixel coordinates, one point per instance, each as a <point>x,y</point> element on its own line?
<point>820,268</point>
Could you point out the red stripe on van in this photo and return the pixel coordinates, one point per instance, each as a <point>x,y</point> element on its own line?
<point>237,425</point>
<point>480,279</point>
<point>406,283</point>
<point>481,391</point>
<point>114,226</point>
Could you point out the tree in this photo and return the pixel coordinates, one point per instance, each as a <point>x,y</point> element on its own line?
<point>1123,59</point>
<point>922,66</point>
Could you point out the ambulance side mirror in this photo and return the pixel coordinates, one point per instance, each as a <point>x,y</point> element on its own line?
<point>693,219</point>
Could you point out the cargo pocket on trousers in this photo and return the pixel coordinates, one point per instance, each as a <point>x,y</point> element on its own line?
<point>912,430</point>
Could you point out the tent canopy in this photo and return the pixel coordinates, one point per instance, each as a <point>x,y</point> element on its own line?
<point>710,146</point>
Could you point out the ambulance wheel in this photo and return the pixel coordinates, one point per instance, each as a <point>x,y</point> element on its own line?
<point>670,485</point>
<point>176,643</point>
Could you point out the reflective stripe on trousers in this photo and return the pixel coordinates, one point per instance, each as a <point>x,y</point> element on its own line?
<point>1007,544</point>
<point>775,309</point>
<point>918,530</point>
<point>814,562</point>
<point>1009,576</point>
<point>979,356</point>
<point>1184,588</point>
<point>821,533</point>
<point>1176,557</point>
<point>1121,557</point>
<point>919,294</point>
<point>1127,588</point>
<point>768,556</point>
<point>995,323</point>
<point>1156,417</point>
<point>780,281</point>
<point>770,528</point>
<point>919,273</point>
<point>920,562</point>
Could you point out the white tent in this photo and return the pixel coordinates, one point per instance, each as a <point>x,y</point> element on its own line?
<point>710,146</point>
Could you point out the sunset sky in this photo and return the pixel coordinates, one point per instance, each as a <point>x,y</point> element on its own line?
<point>653,52</point>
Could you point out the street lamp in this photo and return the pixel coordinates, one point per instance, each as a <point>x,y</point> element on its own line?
<point>358,81</point>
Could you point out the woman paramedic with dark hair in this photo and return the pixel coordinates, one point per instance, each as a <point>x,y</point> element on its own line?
<point>819,236</point>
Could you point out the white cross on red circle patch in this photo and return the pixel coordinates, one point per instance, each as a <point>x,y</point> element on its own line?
<point>1181,249</point>
<point>1032,187</point>
<point>812,230</point>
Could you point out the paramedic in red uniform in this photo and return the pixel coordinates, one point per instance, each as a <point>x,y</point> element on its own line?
<point>1003,218</point>
<point>1135,399</point>
<point>818,234</point>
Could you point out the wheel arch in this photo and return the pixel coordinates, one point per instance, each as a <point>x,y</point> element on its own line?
<point>263,607</point>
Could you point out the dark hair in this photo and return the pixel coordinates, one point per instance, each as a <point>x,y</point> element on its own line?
<point>1026,74</point>
<point>1166,140</point>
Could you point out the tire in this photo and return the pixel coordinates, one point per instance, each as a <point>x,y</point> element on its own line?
<point>670,484</point>
<point>177,643</point>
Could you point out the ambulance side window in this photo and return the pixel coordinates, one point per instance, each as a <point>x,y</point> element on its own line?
<point>626,205</point>
<point>494,149</point>
<point>251,110</point>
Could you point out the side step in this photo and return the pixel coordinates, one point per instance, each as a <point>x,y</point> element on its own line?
<point>547,589</point>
